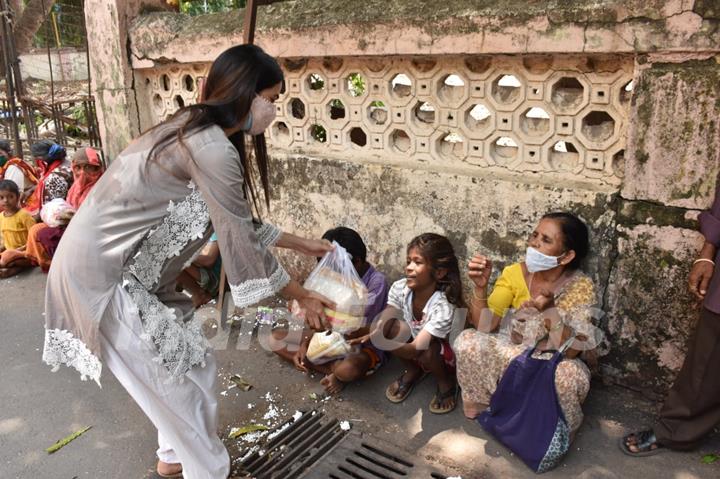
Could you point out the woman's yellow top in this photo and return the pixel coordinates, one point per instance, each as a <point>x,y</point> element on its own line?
<point>510,290</point>
<point>15,229</point>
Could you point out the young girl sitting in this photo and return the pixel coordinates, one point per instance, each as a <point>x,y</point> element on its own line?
<point>417,320</point>
<point>14,225</point>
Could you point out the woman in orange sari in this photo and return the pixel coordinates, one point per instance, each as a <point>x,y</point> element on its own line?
<point>43,239</point>
<point>54,175</point>
<point>17,170</point>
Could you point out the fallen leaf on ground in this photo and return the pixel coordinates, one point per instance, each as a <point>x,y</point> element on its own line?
<point>66,440</point>
<point>710,458</point>
<point>239,431</point>
<point>240,382</point>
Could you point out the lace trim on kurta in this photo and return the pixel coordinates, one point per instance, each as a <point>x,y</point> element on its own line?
<point>62,347</point>
<point>268,234</point>
<point>181,345</point>
<point>186,220</point>
<point>254,290</point>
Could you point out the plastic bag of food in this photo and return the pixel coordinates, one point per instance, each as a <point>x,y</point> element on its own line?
<point>56,212</point>
<point>327,346</point>
<point>335,278</point>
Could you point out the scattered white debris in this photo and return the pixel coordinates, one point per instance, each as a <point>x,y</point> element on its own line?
<point>251,405</point>
<point>223,393</point>
<point>276,432</point>
<point>247,454</point>
<point>297,415</point>
<point>455,477</point>
<point>345,426</point>
<point>271,413</point>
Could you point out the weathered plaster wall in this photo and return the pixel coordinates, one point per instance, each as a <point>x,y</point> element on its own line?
<point>671,169</point>
<point>110,70</point>
<point>339,28</point>
<point>642,209</point>
<point>68,64</point>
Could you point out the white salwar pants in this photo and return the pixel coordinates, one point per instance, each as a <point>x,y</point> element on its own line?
<point>184,413</point>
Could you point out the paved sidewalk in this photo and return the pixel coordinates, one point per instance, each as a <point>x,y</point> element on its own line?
<point>38,407</point>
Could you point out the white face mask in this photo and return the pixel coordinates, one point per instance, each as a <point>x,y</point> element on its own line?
<point>262,114</point>
<point>537,261</point>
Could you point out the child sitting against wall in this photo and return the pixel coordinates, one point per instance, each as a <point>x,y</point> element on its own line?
<point>417,321</point>
<point>14,226</point>
<point>365,359</point>
<point>202,278</point>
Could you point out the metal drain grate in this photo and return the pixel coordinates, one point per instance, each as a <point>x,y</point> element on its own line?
<point>361,457</point>
<point>299,445</point>
<point>315,447</point>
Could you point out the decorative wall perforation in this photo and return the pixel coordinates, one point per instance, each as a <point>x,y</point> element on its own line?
<point>551,115</point>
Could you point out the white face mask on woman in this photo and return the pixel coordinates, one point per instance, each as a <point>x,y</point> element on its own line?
<point>537,261</point>
<point>262,114</point>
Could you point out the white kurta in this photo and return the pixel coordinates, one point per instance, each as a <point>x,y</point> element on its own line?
<point>113,279</point>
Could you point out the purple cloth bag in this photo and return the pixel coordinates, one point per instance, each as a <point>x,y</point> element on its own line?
<point>525,413</point>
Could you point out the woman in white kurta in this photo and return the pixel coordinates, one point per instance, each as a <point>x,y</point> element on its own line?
<point>111,295</point>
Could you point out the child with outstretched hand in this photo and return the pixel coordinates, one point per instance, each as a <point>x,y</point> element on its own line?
<point>418,318</point>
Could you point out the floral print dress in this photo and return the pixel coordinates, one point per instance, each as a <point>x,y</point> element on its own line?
<point>482,358</point>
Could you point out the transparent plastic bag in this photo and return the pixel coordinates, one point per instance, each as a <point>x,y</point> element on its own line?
<point>335,278</point>
<point>327,346</point>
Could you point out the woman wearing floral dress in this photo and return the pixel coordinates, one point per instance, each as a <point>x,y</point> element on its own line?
<point>545,295</point>
<point>150,213</point>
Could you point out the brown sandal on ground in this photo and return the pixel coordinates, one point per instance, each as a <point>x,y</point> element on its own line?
<point>646,444</point>
<point>403,388</point>
<point>439,397</point>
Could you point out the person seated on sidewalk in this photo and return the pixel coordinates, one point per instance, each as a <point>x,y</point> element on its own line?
<point>416,324</point>
<point>17,170</point>
<point>55,176</point>
<point>364,360</point>
<point>14,226</point>
<point>44,237</point>
<point>202,278</point>
<point>692,407</point>
<point>546,295</point>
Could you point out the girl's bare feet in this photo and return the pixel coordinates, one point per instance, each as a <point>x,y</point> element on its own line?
<point>165,469</point>
<point>332,384</point>
<point>8,272</point>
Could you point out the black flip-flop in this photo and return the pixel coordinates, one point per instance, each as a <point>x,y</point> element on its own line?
<point>440,397</point>
<point>644,444</point>
<point>405,388</point>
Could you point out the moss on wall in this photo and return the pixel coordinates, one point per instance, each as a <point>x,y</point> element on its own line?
<point>675,136</point>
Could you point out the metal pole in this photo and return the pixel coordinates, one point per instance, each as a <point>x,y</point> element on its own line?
<point>6,33</point>
<point>249,23</point>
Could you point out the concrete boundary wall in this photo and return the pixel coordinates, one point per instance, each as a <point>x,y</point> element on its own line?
<point>67,65</point>
<point>623,131</point>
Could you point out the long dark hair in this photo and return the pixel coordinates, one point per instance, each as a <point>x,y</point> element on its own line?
<point>348,239</point>
<point>575,236</point>
<point>235,77</point>
<point>439,253</point>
